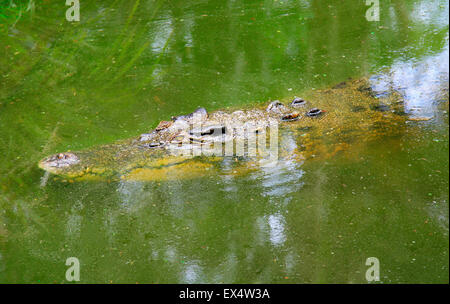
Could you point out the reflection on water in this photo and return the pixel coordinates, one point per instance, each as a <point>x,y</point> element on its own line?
<point>421,83</point>
<point>430,13</point>
<point>191,273</point>
<point>439,211</point>
<point>284,177</point>
<point>276,183</point>
<point>276,224</point>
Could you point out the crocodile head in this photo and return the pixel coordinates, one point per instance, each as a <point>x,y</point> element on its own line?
<point>62,163</point>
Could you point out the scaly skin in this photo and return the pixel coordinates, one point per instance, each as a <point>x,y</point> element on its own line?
<point>351,118</point>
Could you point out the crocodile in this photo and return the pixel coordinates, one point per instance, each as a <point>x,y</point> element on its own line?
<point>320,125</point>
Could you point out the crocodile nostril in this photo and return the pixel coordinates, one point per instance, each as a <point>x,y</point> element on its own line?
<point>62,159</point>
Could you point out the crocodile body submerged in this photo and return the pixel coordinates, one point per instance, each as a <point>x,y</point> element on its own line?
<point>320,125</point>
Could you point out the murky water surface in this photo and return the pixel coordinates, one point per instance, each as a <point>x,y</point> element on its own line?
<point>129,64</point>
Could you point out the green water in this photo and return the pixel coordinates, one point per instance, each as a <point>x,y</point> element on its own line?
<point>129,64</point>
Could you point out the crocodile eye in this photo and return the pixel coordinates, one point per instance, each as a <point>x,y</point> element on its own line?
<point>297,102</point>
<point>60,156</point>
<point>213,130</point>
<point>314,112</point>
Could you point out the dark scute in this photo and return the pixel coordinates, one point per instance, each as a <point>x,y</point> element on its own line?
<point>314,112</point>
<point>298,102</point>
<point>400,113</point>
<point>291,117</point>
<point>358,109</point>
<point>340,85</point>
<point>367,89</point>
<point>380,108</point>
